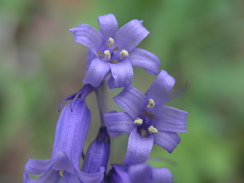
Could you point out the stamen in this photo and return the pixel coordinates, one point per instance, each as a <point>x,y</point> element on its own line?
<point>107,53</point>
<point>138,121</point>
<point>151,104</point>
<point>114,61</point>
<point>100,54</point>
<point>143,132</point>
<point>61,173</point>
<point>110,42</point>
<point>115,49</point>
<point>151,129</point>
<point>123,54</point>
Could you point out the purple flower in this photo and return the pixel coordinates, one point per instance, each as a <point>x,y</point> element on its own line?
<point>147,119</point>
<point>113,50</point>
<point>142,173</point>
<point>71,131</point>
<point>97,155</point>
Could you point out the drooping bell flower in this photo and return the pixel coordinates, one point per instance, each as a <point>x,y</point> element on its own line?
<point>113,51</point>
<point>63,166</point>
<point>97,155</point>
<point>147,119</point>
<point>142,173</point>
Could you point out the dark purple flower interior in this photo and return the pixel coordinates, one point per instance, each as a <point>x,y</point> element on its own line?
<point>147,117</point>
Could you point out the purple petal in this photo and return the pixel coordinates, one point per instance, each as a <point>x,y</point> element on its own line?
<point>122,74</point>
<point>138,148</point>
<point>145,59</point>
<point>70,135</point>
<point>96,72</point>
<point>63,161</point>
<point>130,35</point>
<point>88,36</point>
<point>119,174</point>
<point>98,153</point>
<point>92,177</point>
<point>70,178</point>
<point>119,122</point>
<point>131,101</point>
<point>160,88</point>
<point>108,25</point>
<point>170,119</point>
<point>140,173</point>
<point>37,167</point>
<point>49,176</point>
<point>167,140</point>
<point>161,175</point>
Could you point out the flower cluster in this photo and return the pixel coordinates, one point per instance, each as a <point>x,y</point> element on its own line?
<point>148,121</point>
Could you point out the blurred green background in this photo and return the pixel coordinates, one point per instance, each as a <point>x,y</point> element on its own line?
<point>199,42</point>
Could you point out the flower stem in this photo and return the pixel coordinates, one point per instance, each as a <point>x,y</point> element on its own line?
<point>101,101</point>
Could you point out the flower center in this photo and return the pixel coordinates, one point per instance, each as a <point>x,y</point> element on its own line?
<point>111,52</point>
<point>145,120</point>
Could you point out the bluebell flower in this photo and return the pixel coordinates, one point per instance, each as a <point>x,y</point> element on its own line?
<point>97,155</point>
<point>71,131</point>
<point>113,51</point>
<point>147,119</point>
<point>142,173</point>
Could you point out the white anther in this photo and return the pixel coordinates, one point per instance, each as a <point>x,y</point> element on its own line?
<point>151,104</point>
<point>151,129</point>
<point>110,42</point>
<point>143,132</point>
<point>61,173</point>
<point>123,54</point>
<point>107,53</point>
<point>138,121</point>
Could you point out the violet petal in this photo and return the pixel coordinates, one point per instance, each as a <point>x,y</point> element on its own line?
<point>92,177</point>
<point>160,88</point>
<point>167,140</point>
<point>162,175</point>
<point>88,36</point>
<point>96,72</point>
<point>130,35</point>
<point>108,25</point>
<point>170,119</point>
<point>119,174</point>
<point>37,167</point>
<point>138,148</point>
<point>119,122</point>
<point>122,74</point>
<point>140,173</point>
<point>131,101</point>
<point>145,59</point>
<point>49,176</point>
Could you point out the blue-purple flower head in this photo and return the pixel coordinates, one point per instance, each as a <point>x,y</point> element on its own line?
<point>71,131</point>
<point>97,155</point>
<point>113,52</point>
<point>142,173</point>
<point>64,165</point>
<point>147,119</point>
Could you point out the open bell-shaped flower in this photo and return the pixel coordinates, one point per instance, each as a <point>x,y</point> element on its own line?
<point>113,51</point>
<point>63,166</point>
<point>147,119</point>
